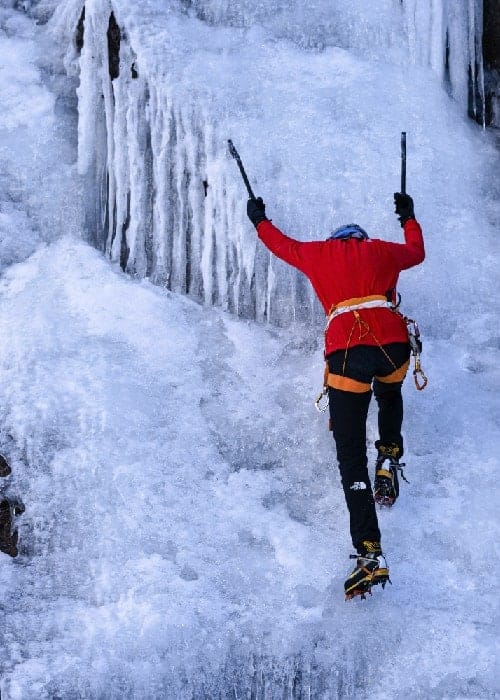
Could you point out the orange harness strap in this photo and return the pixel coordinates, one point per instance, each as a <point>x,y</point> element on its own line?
<point>397,376</point>
<point>337,381</point>
<point>358,301</point>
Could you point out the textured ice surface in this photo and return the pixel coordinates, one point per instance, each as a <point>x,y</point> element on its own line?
<point>185,533</point>
<point>185,530</point>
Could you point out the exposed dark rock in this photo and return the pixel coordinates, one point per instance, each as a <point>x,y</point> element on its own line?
<point>491,57</point>
<point>80,31</point>
<point>114,39</point>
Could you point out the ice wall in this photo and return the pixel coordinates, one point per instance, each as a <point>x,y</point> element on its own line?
<point>447,35</point>
<point>33,156</point>
<point>443,34</point>
<point>314,101</point>
<point>157,170</point>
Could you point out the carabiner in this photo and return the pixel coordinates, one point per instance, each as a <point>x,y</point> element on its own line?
<point>317,403</point>
<point>417,371</point>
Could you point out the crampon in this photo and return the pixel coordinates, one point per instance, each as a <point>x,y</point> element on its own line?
<point>386,484</point>
<point>385,490</point>
<point>370,570</point>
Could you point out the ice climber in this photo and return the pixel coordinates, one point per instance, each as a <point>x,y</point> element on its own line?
<point>366,348</point>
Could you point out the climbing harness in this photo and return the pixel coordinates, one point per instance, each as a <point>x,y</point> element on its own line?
<point>354,305</point>
<point>371,302</point>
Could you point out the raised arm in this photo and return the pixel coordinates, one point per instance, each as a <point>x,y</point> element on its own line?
<point>297,253</point>
<point>412,251</point>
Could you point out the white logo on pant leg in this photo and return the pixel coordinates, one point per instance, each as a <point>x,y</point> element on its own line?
<point>358,486</point>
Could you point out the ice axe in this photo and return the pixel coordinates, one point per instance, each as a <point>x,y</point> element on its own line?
<point>403,162</point>
<point>236,156</point>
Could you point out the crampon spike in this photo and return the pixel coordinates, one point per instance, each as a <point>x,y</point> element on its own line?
<point>384,501</point>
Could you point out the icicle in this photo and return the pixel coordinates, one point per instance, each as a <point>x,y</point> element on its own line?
<point>438,39</point>
<point>120,169</point>
<point>208,236</point>
<point>472,54</point>
<point>180,186</point>
<point>107,93</point>
<point>138,154</point>
<point>159,145</point>
<point>479,63</point>
<point>88,102</point>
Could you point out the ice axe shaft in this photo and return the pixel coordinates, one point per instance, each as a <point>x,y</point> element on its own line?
<point>236,156</point>
<point>403,162</point>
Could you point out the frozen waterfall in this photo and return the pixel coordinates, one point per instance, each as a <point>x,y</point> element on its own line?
<point>162,88</point>
<point>185,534</point>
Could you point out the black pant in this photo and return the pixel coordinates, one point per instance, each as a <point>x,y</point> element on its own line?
<point>348,413</point>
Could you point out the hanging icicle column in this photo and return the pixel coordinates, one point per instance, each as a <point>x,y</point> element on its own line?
<point>157,168</point>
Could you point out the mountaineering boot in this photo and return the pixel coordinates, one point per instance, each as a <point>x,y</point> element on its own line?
<point>5,469</point>
<point>386,485</point>
<point>8,537</point>
<point>370,570</point>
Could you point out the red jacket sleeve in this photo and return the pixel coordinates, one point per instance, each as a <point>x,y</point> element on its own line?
<point>309,257</point>
<point>412,251</point>
<point>297,253</point>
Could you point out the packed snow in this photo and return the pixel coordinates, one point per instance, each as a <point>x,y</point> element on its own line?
<point>185,533</point>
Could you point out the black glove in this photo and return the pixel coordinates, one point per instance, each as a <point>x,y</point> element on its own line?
<point>404,207</point>
<point>256,211</point>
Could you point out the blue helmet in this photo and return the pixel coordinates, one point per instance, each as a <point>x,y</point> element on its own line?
<point>349,231</point>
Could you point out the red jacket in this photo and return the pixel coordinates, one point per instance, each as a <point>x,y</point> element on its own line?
<point>347,269</point>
